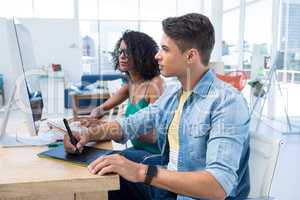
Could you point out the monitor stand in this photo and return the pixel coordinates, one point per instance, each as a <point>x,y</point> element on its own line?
<point>10,141</point>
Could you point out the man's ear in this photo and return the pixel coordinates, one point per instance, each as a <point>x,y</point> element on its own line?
<point>192,56</point>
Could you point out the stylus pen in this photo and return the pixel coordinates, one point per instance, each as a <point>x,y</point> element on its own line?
<point>73,140</point>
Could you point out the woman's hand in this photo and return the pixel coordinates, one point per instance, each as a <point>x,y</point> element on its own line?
<point>97,112</point>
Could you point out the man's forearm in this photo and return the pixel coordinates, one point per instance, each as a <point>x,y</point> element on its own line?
<point>107,131</point>
<point>199,184</point>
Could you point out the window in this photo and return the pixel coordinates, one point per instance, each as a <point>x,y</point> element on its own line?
<point>16,8</point>
<point>192,6</point>
<point>153,29</point>
<point>118,9</point>
<point>157,9</point>
<point>54,8</point>
<point>88,9</point>
<point>230,35</point>
<point>290,38</point>
<point>257,36</point>
<point>105,20</point>
<point>231,5</point>
<point>89,46</point>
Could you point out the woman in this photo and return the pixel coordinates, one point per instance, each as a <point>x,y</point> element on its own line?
<point>134,54</point>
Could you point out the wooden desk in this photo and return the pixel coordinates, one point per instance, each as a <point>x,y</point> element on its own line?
<point>23,175</point>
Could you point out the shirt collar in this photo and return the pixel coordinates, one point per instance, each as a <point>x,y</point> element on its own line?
<point>203,85</point>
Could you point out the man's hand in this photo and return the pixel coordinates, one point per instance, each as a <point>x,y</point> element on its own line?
<point>116,163</point>
<point>90,122</point>
<point>82,138</point>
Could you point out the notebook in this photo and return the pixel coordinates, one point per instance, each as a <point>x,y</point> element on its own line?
<point>75,124</point>
<point>88,155</point>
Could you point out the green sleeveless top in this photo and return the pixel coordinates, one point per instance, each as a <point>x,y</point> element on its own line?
<point>131,109</point>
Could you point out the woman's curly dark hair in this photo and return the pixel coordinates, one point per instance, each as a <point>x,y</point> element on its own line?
<point>142,49</point>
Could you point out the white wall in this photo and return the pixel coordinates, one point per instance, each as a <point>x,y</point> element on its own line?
<point>216,15</point>
<point>212,9</point>
<point>184,6</point>
<point>54,41</point>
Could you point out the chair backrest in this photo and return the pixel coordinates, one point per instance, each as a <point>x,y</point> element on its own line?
<point>237,79</point>
<point>264,153</point>
<point>87,79</point>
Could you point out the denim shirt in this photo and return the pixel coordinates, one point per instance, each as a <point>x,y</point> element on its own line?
<point>213,132</point>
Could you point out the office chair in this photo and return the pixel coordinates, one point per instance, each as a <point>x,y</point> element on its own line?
<point>264,154</point>
<point>237,79</point>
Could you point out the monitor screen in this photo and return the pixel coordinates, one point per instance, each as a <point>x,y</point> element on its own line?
<point>20,96</point>
<point>28,64</point>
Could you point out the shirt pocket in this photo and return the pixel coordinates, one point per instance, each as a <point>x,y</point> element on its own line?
<point>196,143</point>
<point>197,130</point>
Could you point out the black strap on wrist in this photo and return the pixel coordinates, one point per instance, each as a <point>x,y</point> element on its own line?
<point>151,172</point>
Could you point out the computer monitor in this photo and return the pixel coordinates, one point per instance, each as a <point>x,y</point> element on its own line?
<point>21,94</point>
<point>30,68</point>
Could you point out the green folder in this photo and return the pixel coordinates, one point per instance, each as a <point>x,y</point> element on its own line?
<point>88,155</point>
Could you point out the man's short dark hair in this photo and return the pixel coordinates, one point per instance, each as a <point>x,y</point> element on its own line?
<point>191,31</point>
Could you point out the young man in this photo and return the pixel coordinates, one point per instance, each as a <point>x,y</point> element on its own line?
<point>202,126</point>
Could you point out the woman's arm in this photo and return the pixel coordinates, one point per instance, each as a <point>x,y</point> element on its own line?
<point>120,96</point>
<point>154,91</point>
